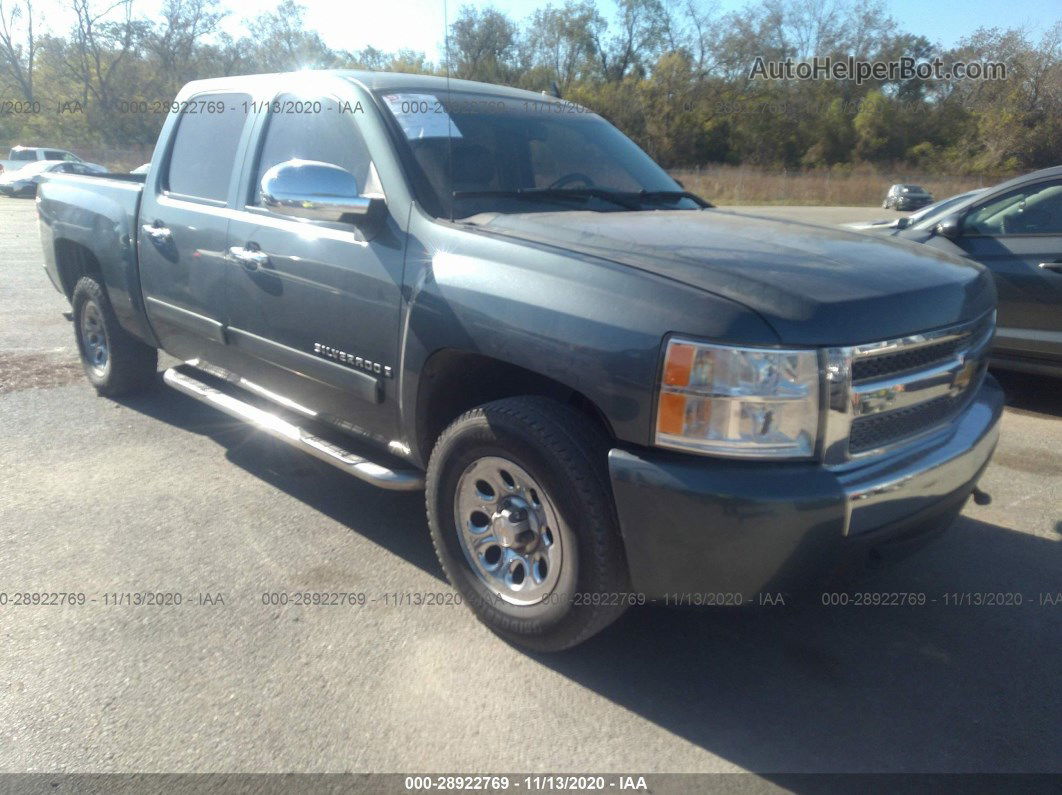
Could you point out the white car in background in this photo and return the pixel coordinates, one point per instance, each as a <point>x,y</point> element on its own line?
<point>24,181</point>
<point>20,156</point>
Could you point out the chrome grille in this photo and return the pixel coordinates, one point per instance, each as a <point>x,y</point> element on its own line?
<point>903,361</point>
<point>885,394</point>
<point>878,430</point>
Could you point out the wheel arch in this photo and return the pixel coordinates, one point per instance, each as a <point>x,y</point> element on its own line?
<point>452,381</point>
<point>72,261</point>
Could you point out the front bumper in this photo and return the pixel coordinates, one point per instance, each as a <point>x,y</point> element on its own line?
<point>697,525</point>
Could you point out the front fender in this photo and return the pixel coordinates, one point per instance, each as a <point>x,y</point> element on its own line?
<point>589,324</point>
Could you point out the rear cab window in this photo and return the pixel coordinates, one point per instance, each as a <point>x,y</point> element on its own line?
<point>205,145</point>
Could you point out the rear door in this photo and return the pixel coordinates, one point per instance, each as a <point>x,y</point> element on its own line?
<point>184,217</point>
<point>1018,235</point>
<point>316,316</point>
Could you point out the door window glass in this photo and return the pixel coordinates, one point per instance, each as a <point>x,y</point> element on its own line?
<point>1032,210</point>
<point>204,148</point>
<point>299,128</point>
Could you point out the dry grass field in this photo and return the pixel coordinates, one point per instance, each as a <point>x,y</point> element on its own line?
<point>719,184</point>
<point>116,158</point>
<point>722,184</point>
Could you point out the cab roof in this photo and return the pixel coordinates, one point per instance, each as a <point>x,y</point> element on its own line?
<point>374,81</point>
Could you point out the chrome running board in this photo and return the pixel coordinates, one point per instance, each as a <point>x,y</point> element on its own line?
<point>299,438</point>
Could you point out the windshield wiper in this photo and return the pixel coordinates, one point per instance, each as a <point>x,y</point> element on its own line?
<point>630,200</point>
<point>668,195</point>
<point>551,193</point>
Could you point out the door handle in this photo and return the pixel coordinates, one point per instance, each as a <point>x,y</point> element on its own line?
<point>157,232</point>
<point>251,259</point>
<point>1052,266</point>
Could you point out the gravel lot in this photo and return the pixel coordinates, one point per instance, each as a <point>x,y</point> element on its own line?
<point>162,494</point>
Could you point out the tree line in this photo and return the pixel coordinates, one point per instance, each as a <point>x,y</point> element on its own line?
<point>675,75</point>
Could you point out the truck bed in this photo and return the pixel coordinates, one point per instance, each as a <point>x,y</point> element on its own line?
<point>97,215</point>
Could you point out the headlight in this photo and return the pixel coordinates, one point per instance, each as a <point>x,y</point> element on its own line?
<point>747,402</point>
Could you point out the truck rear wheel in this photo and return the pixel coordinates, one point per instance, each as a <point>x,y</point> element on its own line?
<point>522,519</point>
<point>116,363</point>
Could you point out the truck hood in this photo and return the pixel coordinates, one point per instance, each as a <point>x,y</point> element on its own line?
<point>815,285</point>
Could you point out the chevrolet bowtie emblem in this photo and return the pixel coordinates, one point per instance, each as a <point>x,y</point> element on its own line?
<point>963,377</point>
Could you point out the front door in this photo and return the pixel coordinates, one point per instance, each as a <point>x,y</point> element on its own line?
<point>314,306</point>
<point>1018,235</point>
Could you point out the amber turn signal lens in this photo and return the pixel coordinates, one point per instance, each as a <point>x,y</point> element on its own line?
<point>671,416</point>
<point>678,364</point>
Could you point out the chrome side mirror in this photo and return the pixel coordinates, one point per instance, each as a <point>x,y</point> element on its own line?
<point>314,190</point>
<point>950,226</point>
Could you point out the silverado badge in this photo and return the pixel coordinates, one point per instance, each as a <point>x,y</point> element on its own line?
<point>349,359</point>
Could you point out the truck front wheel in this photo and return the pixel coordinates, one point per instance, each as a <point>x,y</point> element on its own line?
<point>116,363</point>
<point>522,519</point>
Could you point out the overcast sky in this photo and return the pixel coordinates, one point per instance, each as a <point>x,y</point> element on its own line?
<point>419,24</point>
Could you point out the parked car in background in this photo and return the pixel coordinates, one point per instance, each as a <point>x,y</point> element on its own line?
<point>1015,229</point>
<point>906,197</point>
<point>24,181</point>
<point>20,156</point>
<point>143,169</point>
<point>891,225</point>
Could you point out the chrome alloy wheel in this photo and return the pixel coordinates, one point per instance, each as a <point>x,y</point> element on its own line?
<point>94,338</point>
<point>509,530</point>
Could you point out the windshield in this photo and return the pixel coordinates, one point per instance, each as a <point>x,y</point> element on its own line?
<point>475,153</point>
<point>22,154</point>
<point>929,215</point>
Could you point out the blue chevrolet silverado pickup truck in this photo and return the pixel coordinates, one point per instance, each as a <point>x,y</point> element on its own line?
<point>609,390</point>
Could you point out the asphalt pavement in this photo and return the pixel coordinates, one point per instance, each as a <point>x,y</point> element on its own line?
<point>160,495</point>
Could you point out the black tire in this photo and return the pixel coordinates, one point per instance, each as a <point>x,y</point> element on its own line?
<point>129,365</point>
<point>561,450</point>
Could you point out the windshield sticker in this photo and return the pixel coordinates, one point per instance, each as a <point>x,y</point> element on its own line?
<point>421,116</point>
